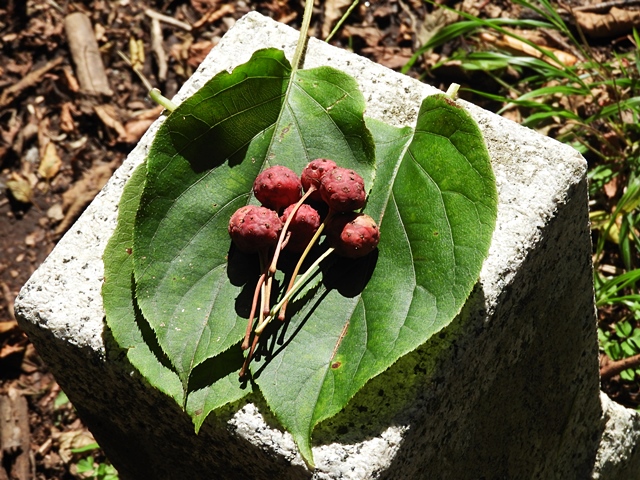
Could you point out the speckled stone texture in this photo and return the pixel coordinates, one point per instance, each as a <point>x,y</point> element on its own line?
<point>513,384</point>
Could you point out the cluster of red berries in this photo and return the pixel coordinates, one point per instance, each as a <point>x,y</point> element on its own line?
<point>285,221</point>
<point>279,189</point>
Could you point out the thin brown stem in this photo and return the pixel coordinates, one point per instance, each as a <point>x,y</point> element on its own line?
<point>254,304</point>
<point>249,357</point>
<point>615,367</point>
<point>304,277</point>
<point>267,294</point>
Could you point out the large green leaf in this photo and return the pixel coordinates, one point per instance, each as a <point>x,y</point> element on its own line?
<point>436,197</point>
<point>129,329</point>
<point>201,168</point>
<point>213,387</point>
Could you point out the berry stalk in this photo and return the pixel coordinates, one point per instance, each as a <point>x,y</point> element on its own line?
<point>283,233</point>
<point>301,260</point>
<point>301,281</point>
<point>254,304</point>
<point>263,306</point>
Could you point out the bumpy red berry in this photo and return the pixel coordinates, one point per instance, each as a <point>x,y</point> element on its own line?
<point>353,235</point>
<point>254,228</point>
<point>277,186</point>
<point>303,226</point>
<point>343,190</point>
<point>313,173</point>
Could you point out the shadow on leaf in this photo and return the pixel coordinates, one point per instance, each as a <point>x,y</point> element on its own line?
<point>216,368</point>
<point>349,276</point>
<point>268,349</point>
<point>148,335</point>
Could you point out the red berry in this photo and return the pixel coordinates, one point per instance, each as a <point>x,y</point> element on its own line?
<point>353,235</point>
<point>313,173</point>
<point>303,226</point>
<point>254,228</point>
<point>277,186</point>
<point>343,190</point>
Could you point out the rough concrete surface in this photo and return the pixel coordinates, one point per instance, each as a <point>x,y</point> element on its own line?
<point>515,392</point>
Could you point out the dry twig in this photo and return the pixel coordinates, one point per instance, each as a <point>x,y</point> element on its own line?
<point>10,93</point>
<point>611,369</point>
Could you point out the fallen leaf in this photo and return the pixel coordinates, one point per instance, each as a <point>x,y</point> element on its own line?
<point>20,188</point>
<point>8,327</point>
<point>71,440</point>
<point>203,6</point>
<point>617,22</point>
<point>66,118</point>
<point>333,11</point>
<point>518,46</point>
<point>108,115</point>
<point>197,53</point>
<point>214,14</point>
<point>150,114</point>
<point>611,188</point>
<point>134,130</point>
<point>10,349</point>
<point>72,81</point>
<point>371,35</point>
<point>50,163</point>
<point>55,212</point>
<point>34,238</point>
<point>136,53</point>
<point>390,57</point>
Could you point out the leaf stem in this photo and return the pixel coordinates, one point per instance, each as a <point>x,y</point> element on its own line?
<point>341,21</point>
<point>263,288</point>
<point>302,40</point>
<point>157,97</point>
<point>301,281</point>
<point>452,91</point>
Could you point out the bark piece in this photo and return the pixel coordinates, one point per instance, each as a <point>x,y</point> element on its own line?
<point>14,436</point>
<point>86,55</point>
<point>617,22</point>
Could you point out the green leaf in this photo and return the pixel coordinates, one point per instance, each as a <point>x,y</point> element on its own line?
<point>213,387</point>
<point>196,179</point>
<point>628,375</point>
<point>194,291</point>
<point>128,327</point>
<point>438,201</point>
<point>623,329</point>
<point>613,350</point>
<point>629,348</point>
<point>214,383</point>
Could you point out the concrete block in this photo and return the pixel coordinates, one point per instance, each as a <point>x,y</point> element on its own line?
<point>515,392</point>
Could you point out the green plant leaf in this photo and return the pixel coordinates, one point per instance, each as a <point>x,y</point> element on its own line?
<point>196,178</point>
<point>128,327</point>
<point>214,387</point>
<point>628,375</point>
<point>214,383</point>
<point>194,291</point>
<point>613,350</point>
<point>434,196</point>
<point>435,192</point>
<point>624,329</point>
